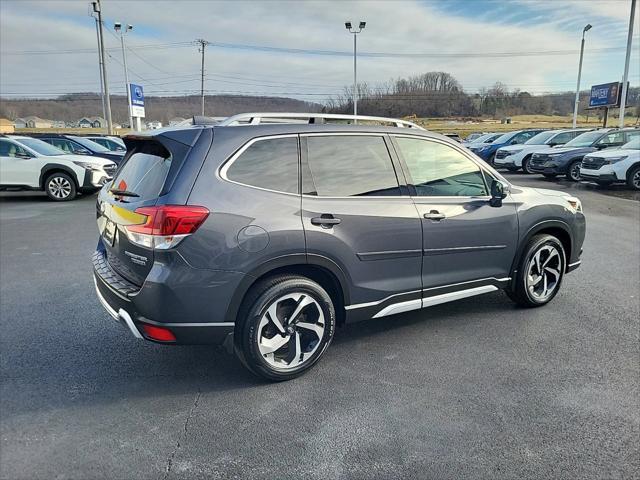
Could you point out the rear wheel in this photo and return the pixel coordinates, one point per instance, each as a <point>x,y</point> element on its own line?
<point>60,187</point>
<point>633,178</point>
<point>540,272</point>
<point>573,172</point>
<point>284,326</point>
<point>525,165</point>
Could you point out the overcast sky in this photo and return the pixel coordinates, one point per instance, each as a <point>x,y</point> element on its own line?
<point>49,47</point>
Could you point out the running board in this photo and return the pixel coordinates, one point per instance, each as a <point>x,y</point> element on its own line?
<point>435,300</point>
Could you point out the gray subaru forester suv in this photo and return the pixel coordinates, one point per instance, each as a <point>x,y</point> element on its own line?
<point>266,231</point>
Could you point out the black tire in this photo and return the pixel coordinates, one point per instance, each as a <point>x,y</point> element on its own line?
<point>492,159</point>
<point>550,175</point>
<point>525,165</point>
<point>60,187</point>
<point>248,332</point>
<point>633,178</point>
<point>519,291</point>
<point>573,171</point>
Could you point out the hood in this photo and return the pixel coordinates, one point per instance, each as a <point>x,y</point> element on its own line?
<point>613,152</point>
<point>568,149</point>
<point>86,159</point>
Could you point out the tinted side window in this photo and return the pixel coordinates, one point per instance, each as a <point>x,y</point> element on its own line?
<point>524,136</point>
<point>271,164</point>
<point>9,149</point>
<point>439,170</point>
<point>346,166</point>
<point>632,135</point>
<point>562,138</point>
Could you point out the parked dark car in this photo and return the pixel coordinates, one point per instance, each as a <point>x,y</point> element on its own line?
<point>487,151</point>
<point>78,145</point>
<point>267,236</point>
<point>114,144</point>
<point>567,159</point>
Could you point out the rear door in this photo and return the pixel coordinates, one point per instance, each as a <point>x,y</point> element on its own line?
<point>142,176</point>
<point>465,240</point>
<point>355,213</point>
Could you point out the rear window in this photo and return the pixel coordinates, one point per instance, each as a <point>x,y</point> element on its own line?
<point>271,163</point>
<point>145,171</point>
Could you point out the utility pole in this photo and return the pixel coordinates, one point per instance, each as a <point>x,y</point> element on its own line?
<point>623,100</point>
<point>203,43</point>
<point>355,33</point>
<point>104,107</point>
<point>575,107</point>
<point>118,27</point>
<point>103,68</point>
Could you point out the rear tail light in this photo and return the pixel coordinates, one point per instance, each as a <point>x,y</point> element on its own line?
<point>159,334</point>
<point>165,226</point>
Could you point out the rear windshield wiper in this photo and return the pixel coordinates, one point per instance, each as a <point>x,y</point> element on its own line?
<point>123,193</point>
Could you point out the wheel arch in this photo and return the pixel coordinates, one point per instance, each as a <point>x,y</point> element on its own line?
<point>631,169</point>
<point>315,267</point>
<point>51,168</point>
<point>557,228</point>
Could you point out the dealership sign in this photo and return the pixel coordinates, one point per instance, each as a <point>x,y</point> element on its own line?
<point>606,95</point>
<point>137,100</point>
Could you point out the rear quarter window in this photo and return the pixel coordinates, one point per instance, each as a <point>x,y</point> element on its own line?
<point>144,171</point>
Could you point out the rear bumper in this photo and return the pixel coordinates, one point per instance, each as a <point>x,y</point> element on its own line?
<point>189,309</point>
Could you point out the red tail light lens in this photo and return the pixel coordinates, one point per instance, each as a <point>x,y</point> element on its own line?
<point>158,333</point>
<point>170,220</point>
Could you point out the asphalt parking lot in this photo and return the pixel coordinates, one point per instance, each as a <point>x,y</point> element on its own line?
<point>477,388</point>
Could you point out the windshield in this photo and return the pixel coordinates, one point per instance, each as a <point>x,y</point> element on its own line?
<point>505,137</point>
<point>487,138</point>
<point>40,147</point>
<point>584,140</point>
<point>632,145</point>
<point>541,138</point>
<point>91,145</point>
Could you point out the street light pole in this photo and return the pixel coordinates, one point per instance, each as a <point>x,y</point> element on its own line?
<point>123,31</point>
<point>103,68</point>
<point>623,100</point>
<point>575,107</point>
<point>355,33</point>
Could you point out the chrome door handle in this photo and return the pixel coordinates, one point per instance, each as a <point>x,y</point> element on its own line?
<point>325,221</point>
<point>434,215</point>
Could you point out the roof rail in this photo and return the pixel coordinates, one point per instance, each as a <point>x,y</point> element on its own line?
<point>311,118</point>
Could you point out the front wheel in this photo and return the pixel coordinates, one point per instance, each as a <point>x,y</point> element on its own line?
<point>573,172</point>
<point>525,165</point>
<point>285,325</point>
<point>633,178</point>
<point>60,187</point>
<point>540,272</point>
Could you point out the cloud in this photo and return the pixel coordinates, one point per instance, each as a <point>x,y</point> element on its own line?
<point>398,26</point>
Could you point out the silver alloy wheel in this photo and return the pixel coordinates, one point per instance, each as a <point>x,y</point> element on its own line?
<point>574,173</point>
<point>636,180</point>
<point>290,331</point>
<point>59,187</point>
<point>544,272</point>
<point>526,166</point>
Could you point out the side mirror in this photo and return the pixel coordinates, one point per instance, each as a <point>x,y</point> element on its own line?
<point>23,155</point>
<point>498,193</point>
<point>514,142</point>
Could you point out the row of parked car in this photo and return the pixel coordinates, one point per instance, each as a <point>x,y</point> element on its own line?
<point>605,155</point>
<point>61,165</point>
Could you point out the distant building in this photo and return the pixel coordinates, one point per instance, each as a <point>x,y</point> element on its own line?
<point>32,122</point>
<point>6,126</point>
<point>176,121</point>
<point>153,125</point>
<point>92,122</point>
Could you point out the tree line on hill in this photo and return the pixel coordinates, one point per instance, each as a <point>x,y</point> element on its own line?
<point>439,94</point>
<point>432,94</point>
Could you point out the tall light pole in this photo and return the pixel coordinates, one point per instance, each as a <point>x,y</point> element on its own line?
<point>623,100</point>
<point>575,108</point>
<point>355,33</point>
<point>123,31</point>
<point>203,43</point>
<point>103,68</point>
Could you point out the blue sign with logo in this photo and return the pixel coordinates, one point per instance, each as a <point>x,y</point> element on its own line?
<point>606,95</point>
<point>137,95</point>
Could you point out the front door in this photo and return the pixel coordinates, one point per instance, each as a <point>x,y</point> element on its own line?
<point>355,215</point>
<point>468,245</point>
<point>17,166</point>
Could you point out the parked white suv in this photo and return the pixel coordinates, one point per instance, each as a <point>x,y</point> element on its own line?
<point>30,164</point>
<point>514,157</point>
<point>613,166</point>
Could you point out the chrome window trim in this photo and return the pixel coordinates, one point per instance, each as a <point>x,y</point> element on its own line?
<point>221,172</point>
